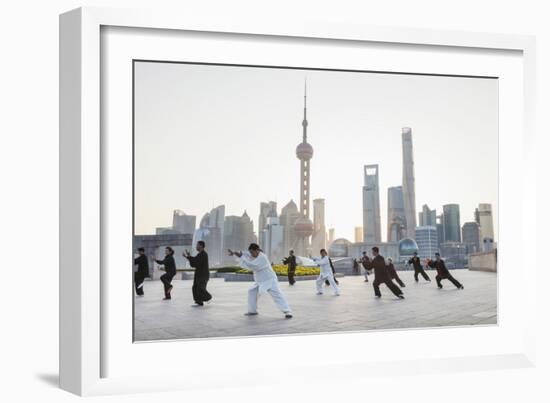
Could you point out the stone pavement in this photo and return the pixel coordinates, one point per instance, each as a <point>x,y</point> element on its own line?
<point>356,309</point>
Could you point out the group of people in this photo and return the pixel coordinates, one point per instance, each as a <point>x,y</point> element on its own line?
<point>266,281</point>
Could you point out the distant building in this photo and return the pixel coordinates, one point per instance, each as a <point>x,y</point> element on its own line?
<point>371,205</point>
<point>358,234</point>
<point>319,238</point>
<point>485,212</point>
<point>409,198</point>
<point>166,231</point>
<point>396,214</point>
<point>183,223</point>
<point>426,239</point>
<point>339,248</point>
<point>471,237</point>
<point>386,249</point>
<point>427,216</point>
<point>451,222</point>
<point>272,239</point>
<point>406,248</point>
<point>238,233</point>
<point>331,235</point>
<point>211,232</point>
<point>265,210</point>
<point>454,253</point>
<point>440,230</point>
<point>289,216</point>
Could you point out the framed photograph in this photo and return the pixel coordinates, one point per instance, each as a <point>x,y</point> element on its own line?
<point>244,190</point>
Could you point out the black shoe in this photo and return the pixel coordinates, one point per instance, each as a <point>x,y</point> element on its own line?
<point>166,298</point>
<point>440,287</point>
<point>378,296</point>
<point>461,287</point>
<point>288,315</point>
<point>401,296</point>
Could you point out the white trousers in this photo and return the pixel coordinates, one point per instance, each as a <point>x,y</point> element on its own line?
<point>321,279</point>
<point>275,293</point>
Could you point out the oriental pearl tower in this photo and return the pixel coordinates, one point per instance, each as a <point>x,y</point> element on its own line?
<point>303,227</point>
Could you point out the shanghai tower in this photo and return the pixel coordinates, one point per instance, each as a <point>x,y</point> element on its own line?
<point>409,200</point>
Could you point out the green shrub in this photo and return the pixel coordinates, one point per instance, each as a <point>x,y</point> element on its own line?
<point>282,270</point>
<point>228,269</point>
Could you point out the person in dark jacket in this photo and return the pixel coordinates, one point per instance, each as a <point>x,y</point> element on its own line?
<point>333,272</point>
<point>381,276</point>
<point>141,272</point>
<point>202,274</point>
<point>365,263</point>
<point>170,268</point>
<point>290,261</point>
<point>393,273</point>
<point>418,269</point>
<point>443,272</point>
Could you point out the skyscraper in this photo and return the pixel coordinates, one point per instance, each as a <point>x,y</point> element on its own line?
<point>319,239</point>
<point>409,198</point>
<point>451,222</point>
<point>396,214</point>
<point>272,238</point>
<point>211,231</point>
<point>485,212</point>
<point>289,216</point>
<point>265,210</point>
<point>426,239</point>
<point>331,235</point>
<point>371,205</point>
<point>238,233</point>
<point>183,223</point>
<point>304,152</point>
<point>427,216</point>
<point>470,237</point>
<point>358,234</point>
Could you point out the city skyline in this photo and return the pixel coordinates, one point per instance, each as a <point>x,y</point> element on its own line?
<point>341,215</point>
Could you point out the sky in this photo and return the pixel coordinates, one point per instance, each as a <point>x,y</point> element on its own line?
<point>211,135</point>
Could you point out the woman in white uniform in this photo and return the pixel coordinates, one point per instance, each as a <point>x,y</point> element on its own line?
<point>265,279</point>
<point>325,274</point>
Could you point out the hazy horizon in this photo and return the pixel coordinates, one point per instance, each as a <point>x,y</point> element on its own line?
<point>211,135</point>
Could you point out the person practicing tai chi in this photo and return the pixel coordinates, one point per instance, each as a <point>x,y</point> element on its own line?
<point>325,273</point>
<point>393,273</point>
<point>418,269</point>
<point>442,272</point>
<point>202,274</point>
<point>141,271</point>
<point>290,261</point>
<point>170,268</point>
<point>333,273</point>
<point>365,263</point>
<point>381,276</point>
<point>265,279</point>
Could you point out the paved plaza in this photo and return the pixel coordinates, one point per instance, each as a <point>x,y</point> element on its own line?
<point>356,309</point>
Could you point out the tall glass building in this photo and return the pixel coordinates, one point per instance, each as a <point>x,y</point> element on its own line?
<point>426,239</point>
<point>451,222</point>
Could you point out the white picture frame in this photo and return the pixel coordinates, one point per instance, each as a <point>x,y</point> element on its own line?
<point>86,347</point>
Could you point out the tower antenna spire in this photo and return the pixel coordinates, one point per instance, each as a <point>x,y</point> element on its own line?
<point>304,122</point>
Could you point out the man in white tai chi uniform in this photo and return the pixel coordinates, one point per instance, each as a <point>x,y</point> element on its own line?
<point>265,279</point>
<point>325,274</point>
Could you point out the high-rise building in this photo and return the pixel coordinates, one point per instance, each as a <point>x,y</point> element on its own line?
<point>440,229</point>
<point>303,227</point>
<point>371,205</point>
<point>319,239</point>
<point>451,222</point>
<point>471,237</point>
<point>485,212</point>
<point>238,233</point>
<point>426,239</point>
<point>331,235</point>
<point>358,234</point>
<point>427,216</point>
<point>183,223</point>
<point>272,239</point>
<point>265,210</point>
<point>396,214</point>
<point>289,216</point>
<point>409,198</point>
<point>211,232</point>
